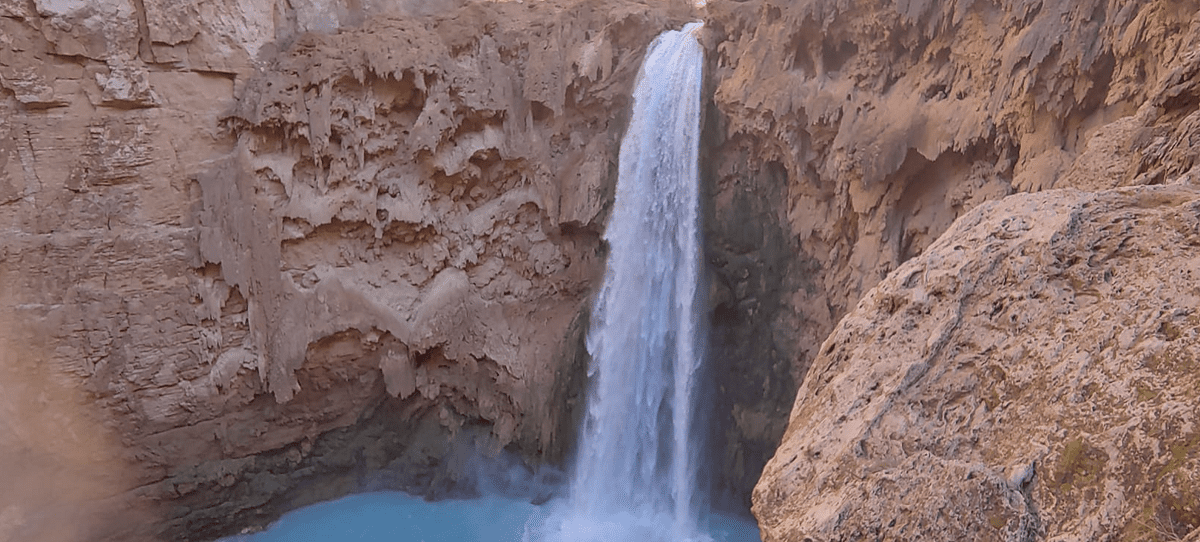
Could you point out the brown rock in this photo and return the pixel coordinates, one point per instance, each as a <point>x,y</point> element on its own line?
<point>1031,376</point>
<point>271,262</point>
<point>847,135</point>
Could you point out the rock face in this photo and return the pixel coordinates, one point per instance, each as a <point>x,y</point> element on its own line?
<point>272,252</point>
<point>262,252</point>
<point>1030,374</point>
<point>1033,375</point>
<point>846,136</point>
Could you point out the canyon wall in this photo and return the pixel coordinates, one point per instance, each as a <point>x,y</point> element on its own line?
<point>1031,376</point>
<point>847,135</point>
<point>259,253</point>
<point>1027,376</point>
<point>262,253</point>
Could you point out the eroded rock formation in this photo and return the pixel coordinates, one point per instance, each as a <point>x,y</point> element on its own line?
<point>853,133</point>
<point>1032,375</point>
<point>259,253</point>
<point>929,413</point>
<point>277,252</point>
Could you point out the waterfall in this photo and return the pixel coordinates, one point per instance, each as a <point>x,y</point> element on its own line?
<point>635,471</point>
<point>634,477</point>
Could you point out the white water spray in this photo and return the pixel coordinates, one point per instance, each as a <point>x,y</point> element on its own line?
<point>635,473</point>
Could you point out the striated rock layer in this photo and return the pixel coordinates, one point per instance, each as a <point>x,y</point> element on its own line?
<point>1031,376</point>
<point>266,266</point>
<point>847,135</point>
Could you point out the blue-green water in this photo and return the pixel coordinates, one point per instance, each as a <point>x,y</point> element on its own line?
<point>635,479</point>
<point>398,517</point>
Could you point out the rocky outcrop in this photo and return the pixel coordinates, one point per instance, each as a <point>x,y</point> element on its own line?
<point>1032,375</point>
<point>1027,375</point>
<point>846,136</point>
<point>273,252</point>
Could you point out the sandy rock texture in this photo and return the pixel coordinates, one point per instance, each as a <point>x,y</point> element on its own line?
<point>261,253</point>
<point>847,135</point>
<point>1031,376</point>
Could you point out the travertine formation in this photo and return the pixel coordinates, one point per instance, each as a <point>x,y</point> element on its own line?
<point>261,253</point>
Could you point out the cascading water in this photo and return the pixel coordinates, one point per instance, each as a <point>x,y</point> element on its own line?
<point>635,471</point>
<point>635,474</point>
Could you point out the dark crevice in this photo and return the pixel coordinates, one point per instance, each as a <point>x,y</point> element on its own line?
<point>833,58</point>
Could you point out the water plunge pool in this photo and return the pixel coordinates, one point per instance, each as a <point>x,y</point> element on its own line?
<point>392,516</point>
<point>635,479</point>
